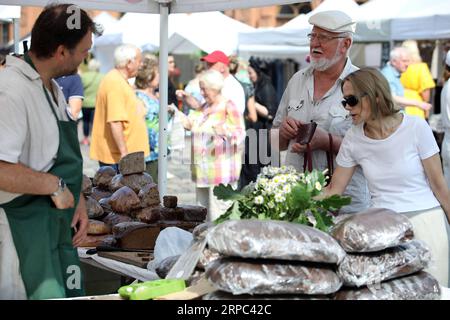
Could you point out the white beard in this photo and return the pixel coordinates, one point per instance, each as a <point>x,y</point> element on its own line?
<point>323,64</point>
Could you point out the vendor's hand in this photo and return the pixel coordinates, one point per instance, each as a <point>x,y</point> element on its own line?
<point>64,200</point>
<point>298,148</point>
<point>320,140</point>
<point>288,128</point>
<point>80,222</point>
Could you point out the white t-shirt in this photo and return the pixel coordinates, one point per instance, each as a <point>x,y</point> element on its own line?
<point>232,90</point>
<point>445,105</point>
<point>392,166</point>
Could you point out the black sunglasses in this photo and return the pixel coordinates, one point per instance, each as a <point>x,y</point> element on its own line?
<point>351,100</point>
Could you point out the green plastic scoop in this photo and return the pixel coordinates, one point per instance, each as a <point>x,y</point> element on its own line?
<point>151,289</point>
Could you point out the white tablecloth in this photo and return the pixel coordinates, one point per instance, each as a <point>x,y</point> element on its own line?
<point>124,268</point>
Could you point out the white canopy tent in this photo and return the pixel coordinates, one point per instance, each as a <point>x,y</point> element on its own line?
<point>12,13</point>
<point>290,39</point>
<point>163,7</point>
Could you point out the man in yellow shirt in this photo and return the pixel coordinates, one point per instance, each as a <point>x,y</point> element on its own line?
<point>119,123</point>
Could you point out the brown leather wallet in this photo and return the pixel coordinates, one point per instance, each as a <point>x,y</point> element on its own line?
<point>306,132</point>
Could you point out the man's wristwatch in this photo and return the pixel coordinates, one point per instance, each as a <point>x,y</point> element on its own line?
<point>61,188</point>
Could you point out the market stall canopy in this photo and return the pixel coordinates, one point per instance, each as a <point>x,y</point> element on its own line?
<point>9,12</point>
<point>292,34</point>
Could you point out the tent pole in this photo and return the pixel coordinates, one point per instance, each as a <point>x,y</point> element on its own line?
<point>16,24</point>
<point>163,88</point>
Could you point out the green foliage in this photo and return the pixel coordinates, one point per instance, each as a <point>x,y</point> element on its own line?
<point>283,194</point>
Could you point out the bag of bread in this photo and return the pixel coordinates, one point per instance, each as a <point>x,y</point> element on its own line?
<point>420,286</point>
<point>361,269</point>
<point>268,239</point>
<point>372,230</point>
<point>249,276</point>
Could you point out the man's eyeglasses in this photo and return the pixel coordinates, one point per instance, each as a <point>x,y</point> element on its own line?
<point>322,38</point>
<point>351,100</point>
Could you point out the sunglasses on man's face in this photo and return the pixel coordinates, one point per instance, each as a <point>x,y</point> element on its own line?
<point>351,100</point>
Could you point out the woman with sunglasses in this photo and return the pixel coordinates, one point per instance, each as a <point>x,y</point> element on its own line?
<point>400,160</point>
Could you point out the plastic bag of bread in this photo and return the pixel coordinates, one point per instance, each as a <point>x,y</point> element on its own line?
<point>269,239</point>
<point>249,276</point>
<point>361,269</point>
<point>420,286</point>
<point>372,230</point>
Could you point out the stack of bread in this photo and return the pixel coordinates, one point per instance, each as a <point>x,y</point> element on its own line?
<point>266,258</point>
<point>383,261</point>
<point>124,209</point>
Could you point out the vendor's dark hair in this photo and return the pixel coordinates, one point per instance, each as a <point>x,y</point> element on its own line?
<point>53,28</point>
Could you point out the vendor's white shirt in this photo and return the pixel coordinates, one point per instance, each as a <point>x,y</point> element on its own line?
<point>329,114</point>
<point>445,106</point>
<point>392,166</point>
<point>233,90</point>
<point>29,135</point>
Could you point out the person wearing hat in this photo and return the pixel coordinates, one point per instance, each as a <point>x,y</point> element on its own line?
<point>445,110</point>
<point>313,94</point>
<point>232,89</point>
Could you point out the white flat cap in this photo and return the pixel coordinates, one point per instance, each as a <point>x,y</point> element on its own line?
<point>447,58</point>
<point>333,21</point>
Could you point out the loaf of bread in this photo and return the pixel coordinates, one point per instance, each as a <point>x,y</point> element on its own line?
<point>121,227</point>
<point>253,276</point>
<point>419,286</point>
<point>134,181</point>
<point>93,241</point>
<point>112,219</point>
<point>359,269</point>
<point>132,163</point>
<point>163,267</point>
<point>86,186</point>
<point>170,201</point>
<point>193,212</point>
<point>269,239</point>
<point>103,177</point>
<point>98,194</point>
<point>96,227</point>
<point>149,195</point>
<point>372,230</point>
<point>93,208</point>
<point>138,237</point>
<point>147,215</point>
<point>171,213</point>
<point>104,203</point>
<point>124,201</point>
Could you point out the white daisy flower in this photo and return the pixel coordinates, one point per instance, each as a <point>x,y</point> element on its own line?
<point>259,200</point>
<point>318,186</point>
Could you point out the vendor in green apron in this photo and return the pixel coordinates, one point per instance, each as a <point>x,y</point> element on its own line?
<point>40,159</point>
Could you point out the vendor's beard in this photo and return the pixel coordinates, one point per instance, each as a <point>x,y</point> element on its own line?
<point>323,64</point>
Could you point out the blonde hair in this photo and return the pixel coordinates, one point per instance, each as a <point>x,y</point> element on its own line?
<point>413,50</point>
<point>371,83</point>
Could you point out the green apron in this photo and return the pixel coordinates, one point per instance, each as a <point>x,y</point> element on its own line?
<point>42,235</point>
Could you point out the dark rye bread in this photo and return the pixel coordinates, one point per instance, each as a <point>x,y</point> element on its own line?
<point>103,177</point>
<point>120,228</point>
<point>138,237</point>
<point>254,276</point>
<point>124,201</point>
<point>170,201</point>
<point>134,181</point>
<point>98,194</point>
<point>132,163</point>
<point>419,286</point>
<point>93,208</point>
<point>149,195</point>
<point>163,267</point>
<point>147,215</point>
<point>92,241</point>
<point>361,269</point>
<point>86,186</point>
<point>171,213</point>
<point>372,230</point>
<point>193,212</point>
<point>113,218</point>
<point>269,239</point>
<point>104,203</point>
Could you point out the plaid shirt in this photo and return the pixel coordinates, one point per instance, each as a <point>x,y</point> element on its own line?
<point>216,158</point>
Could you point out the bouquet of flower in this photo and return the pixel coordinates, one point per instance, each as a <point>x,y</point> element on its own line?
<point>282,193</point>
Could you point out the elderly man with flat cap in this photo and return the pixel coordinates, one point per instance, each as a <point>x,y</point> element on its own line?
<point>314,94</point>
